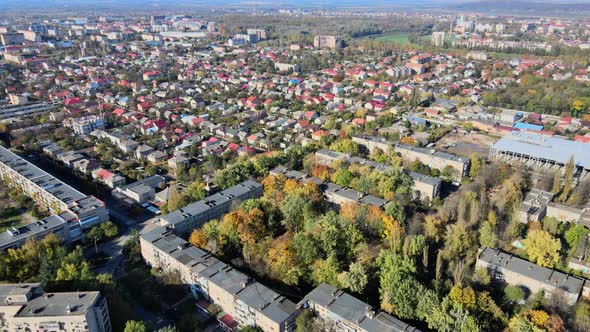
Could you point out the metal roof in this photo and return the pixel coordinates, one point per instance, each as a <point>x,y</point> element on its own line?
<point>545,147</point>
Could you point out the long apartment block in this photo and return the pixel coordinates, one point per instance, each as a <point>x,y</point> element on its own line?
<point>514,270</point>
<point>430,157</point>
<point>333,193</point>
<point>73,211</point>
<point>246,300</point>
<point>27,110</point>
<point>348,313</point>
<point>192,216</point>
<point>26,307</point>
<point>424,185</point>
<point>435,159</point>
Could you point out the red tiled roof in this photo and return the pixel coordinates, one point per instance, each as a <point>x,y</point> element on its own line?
<point>104,174</point>
<point>228,321</point>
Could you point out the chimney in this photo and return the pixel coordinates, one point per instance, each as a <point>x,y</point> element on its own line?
<point>68,309</point>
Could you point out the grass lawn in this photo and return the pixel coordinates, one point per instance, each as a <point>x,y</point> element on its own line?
<point>10,218</point>
<point>398,38</point>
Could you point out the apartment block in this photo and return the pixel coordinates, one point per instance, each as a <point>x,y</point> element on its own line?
<point>327,42</point>
<point>425,186</point>
<point>143,190</point>
<point>373,142</point>
<point>566,213</point>
<point>195,214</point>
<point>333,193</point>
<point>349,314</point>
<point>435,159</point>
<point>534,206</point>
<point>12,38</point>
<point>339,195</point>
<point>19,110</point>
<point>513,270</point>
<point>85,125</point>
<point>247,301</point>
<point>76,211</point>
<point>26,307</point>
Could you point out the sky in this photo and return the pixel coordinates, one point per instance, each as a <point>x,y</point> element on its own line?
<point>71,4</point>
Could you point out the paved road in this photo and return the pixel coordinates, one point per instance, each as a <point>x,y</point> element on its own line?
<point>114,247</point>
<point>119,214</point>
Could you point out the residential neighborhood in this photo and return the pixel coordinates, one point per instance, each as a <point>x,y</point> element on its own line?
<point>295,167</point>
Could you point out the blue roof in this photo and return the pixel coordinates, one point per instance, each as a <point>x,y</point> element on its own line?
<point>524,126</point>
<point>545,147</point>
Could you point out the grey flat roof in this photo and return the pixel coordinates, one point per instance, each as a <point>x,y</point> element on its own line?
<point>16,292</point>
<point>86,204</point>
<point>38,228</point>
<point>152,181</point>
<point>544,147</point>
<point>373,200</point>
<point>56,304</point>
<point>417,177</point>
<point>254,294</point>
<point>331,153</point>
<point>432,152</point>
<point>271,304</point>
<point>48,182</point>
<point>550,277</point>
<point>382,167</point>
<point>203,205</point>
<point>354,310</point>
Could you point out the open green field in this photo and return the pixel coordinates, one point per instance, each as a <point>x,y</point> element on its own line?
<point>398,38</point>
<point>10,217</point>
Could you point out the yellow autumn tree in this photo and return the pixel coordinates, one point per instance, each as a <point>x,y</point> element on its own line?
<point>542,247</point>
<point>392,231</point>
<point>273,188</point>
<point>282,260</point>
<point>198,238</point>
<point>349,210</point>
<point>463,296</point>
<point>538,317</point>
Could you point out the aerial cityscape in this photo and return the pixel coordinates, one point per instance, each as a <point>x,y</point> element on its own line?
<point>294,166</point>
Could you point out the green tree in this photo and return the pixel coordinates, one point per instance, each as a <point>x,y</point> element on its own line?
<point>355,279</point>
<point>514,293</point>
<point>196,191</point>
<point>345,146</point>
<point>487,235</point>
<point>342,177</point>
<point>575,234</point>
<point>556,187</point>
<point>306,322</point>
<point>109,229</point>
<point>399,290</point>
<point>176,200</point>
<point>326,271</point>
<point>476,164</point>
<point>568,179</point>
<point>451,317</point>
<point>95,234</point>
<point>306,247</point>
<point>135,326</point>
<point>294,207</point>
